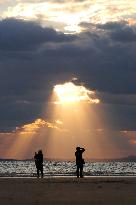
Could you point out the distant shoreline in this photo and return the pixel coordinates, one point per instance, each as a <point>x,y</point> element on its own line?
<point>123,159</point>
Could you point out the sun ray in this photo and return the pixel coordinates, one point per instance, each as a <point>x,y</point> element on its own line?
<point>71,104</point>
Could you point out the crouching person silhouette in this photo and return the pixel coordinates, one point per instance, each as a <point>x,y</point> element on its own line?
<point>39,163</point>
<point>79,161</point>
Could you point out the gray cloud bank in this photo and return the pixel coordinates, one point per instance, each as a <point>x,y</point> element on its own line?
<point>33,59</point>
<point>18,35</point>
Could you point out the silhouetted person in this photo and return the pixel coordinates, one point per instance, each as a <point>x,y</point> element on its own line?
<point>39,163</point>
<point>79,161</point>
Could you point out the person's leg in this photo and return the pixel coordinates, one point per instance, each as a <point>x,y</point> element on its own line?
<point>37,172</point>
<point>42,171</point>
<point>81,171</point>
<point>77,171</point>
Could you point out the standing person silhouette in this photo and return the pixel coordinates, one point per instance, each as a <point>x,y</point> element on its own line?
<point>79,161</point>
<point>39,163</point>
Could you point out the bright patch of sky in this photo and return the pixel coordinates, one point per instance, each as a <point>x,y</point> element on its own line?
<point>67,15</point>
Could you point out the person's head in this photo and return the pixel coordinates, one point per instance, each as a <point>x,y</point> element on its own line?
<point>77,148</point>
<point>40,151</point>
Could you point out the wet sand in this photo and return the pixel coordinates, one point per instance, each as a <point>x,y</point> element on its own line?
<point>68,190</point>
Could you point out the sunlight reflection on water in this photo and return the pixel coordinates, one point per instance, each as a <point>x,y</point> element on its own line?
<point>55,168</point>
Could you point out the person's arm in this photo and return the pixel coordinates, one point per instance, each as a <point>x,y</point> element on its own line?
<point>82,149</point>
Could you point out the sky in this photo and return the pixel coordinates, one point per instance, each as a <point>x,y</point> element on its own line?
<point>91,43</point>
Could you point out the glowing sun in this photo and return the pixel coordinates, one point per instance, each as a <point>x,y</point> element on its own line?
<point>71,93</point>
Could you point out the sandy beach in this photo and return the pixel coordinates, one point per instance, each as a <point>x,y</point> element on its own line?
<point>68,190</point>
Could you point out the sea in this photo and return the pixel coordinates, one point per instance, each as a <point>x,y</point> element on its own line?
<point>26,168</point>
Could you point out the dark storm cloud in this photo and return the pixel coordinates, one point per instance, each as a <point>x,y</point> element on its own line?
<point>121,32</point>
<point>113,58</point>
<point>16,34</point>
<point>113,25</point>
<point>33,59</point>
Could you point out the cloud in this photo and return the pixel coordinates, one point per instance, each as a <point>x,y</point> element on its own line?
<point>124,35</point>
<point>34,127</point>
<point>31,66</point>
<point>18,35</point>
<point>66,15</point>
<point>72,93</point>
<point>117,25</point>
<point>121,99</point>
<point>120,31</point>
